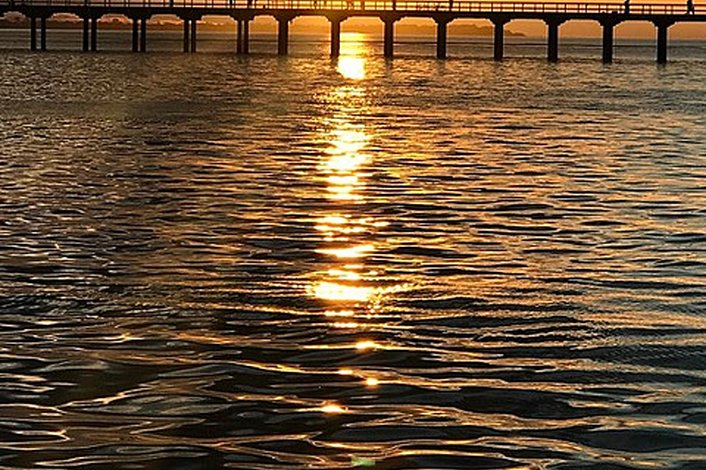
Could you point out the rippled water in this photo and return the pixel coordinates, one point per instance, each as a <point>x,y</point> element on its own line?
<point>261,263</point>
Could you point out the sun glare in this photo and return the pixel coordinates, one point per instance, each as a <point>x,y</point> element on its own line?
<point>351,64</point>
<point>365,345</point>
<point>356,251</point>
<point>352,68</point>
<point>342,292</point>
<point>372,382</point>
<point>333,408</point>
<point>348,287</point>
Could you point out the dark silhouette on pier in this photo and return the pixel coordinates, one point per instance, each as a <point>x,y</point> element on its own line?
<point>389,12</point>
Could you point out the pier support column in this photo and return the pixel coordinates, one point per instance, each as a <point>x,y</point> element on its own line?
<point>187,41</point>
<point>441,24</point>
<point>553,39</point>
<point>238,36</point>
<point>608,29</point>
<point>662,36</point>
<point>246,36</point>
<point>499,38</point>
<point>94,34</point>
<point>389,43</point>
<point>143,34</point>
<point>283,35</point>
<point>43,33</point>
<point>33,34</point>
<point>85,34</point>
<point>335,36</point>
<point>194,22</point>
<point>135,35</point>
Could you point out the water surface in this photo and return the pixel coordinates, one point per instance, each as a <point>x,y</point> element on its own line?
<point>263,263</point>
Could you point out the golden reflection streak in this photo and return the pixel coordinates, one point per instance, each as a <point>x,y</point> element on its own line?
<point>327,290</point>
<point>372,382</point>
<point>355,251</point>
<point>342,171</point>
<point>352,68</point>
<point>347,287</point>
<point>341,313</point>
<point>333,408</point>
<point>351,64</point>
<point>343,274</point>
<point>366,345</point>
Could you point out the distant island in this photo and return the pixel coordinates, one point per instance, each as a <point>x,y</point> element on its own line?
<point>259,26</point>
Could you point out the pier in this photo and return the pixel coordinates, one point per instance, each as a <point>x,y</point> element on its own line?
<point>499,14</point>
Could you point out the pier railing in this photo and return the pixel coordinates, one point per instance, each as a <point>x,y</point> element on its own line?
<point>372,5</point>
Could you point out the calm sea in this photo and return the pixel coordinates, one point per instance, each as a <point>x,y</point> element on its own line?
<point>214,261</point>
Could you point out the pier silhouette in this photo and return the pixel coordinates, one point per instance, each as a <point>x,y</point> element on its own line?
<point>608,15</point>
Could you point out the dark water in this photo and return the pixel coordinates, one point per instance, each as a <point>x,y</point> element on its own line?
<point>262,263</point>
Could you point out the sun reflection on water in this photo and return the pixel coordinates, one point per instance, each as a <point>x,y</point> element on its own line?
<point>333,408</point>
<point>365,345</point>
<point>354,251</point>
<point>352,288</point>
<point>372,382</point>
<point>351,64</point>
<point>326,290</point>
<point>344,232</point>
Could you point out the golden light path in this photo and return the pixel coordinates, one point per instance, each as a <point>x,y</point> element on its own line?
<point>348,288</point>
<point>351,63</point>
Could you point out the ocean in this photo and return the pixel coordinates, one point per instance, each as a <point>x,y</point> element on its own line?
<point>263,262</point>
